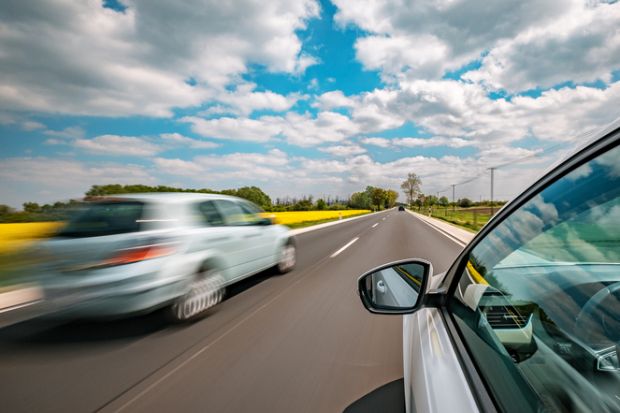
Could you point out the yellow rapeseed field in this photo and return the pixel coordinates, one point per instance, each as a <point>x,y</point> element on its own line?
<point>298,217</point>
<point>16,236</point>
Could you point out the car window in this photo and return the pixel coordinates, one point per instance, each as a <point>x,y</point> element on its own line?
<point>209,214</point>
<point>252,212</point>
<point>236,213</point>
<point>104,218</point>
<point>538,302</point>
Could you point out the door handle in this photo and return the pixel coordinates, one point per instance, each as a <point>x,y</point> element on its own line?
<point>251,235</point>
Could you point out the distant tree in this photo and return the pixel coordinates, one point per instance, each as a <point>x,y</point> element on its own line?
<point>5,210</point>
<point>391,197</point>
<point>443,201</point>
<point>359,200</point>
<point>377,197</point>
<point>411,187</point>
<point>112,189</point>
<point>254,194</point>
<point>31,207</point>
<point>305,204</point>
<point>321,204</point>
<point>465,202</point>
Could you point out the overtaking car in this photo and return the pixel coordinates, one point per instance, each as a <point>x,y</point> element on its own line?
<point>129,254</point>
<point>527,319</point>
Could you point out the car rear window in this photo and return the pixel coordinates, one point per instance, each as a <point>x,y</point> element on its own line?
<point>104,218</point>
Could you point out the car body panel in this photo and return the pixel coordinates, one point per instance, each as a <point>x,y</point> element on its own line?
<point>434,380</point>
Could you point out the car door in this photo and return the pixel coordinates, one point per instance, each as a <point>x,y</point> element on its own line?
<point>265,237</point>
<point>533,303</point>
<point>224,242</point>
<point>246,253</point>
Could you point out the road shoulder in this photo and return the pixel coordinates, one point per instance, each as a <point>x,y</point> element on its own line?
<point>455,233</point>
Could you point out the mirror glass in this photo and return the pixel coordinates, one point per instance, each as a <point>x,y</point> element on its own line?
<point>393,288</point>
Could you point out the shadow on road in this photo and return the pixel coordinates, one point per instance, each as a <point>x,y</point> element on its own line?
<point>39,332</point>
<point>389,398</point>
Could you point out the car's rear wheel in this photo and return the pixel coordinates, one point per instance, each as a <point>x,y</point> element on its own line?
<point>288,257</point>
<point>206,290</point>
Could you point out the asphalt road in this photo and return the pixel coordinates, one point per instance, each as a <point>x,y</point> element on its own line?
<point>300,342</point>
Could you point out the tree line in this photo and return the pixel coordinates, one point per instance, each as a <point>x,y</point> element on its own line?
<point>374,198</point>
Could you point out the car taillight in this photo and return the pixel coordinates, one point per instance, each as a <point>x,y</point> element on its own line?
<point>136,254</point>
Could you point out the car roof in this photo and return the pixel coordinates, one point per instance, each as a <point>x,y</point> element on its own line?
<point>166,197</point>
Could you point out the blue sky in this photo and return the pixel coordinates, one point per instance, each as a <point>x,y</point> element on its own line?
<point>298,97</point>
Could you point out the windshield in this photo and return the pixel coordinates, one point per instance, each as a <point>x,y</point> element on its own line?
<point>104,218</point>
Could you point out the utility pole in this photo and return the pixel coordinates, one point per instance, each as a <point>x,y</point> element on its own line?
<point>453,203</point>
<point>492,170</point>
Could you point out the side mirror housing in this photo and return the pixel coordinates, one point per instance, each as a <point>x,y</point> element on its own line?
<point>395,288</point>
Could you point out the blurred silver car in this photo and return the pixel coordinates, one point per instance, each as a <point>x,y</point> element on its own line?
<point>135,253</point>
<point>527,319</point>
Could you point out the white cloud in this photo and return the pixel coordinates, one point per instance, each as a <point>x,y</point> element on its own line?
<point>118,145</point>
<point>244,100</point>
<point>433,141</point>
<point>81,58</point>
<point>380,142</point>
<point>30,125</point>
<point>178,167</point>
<point>241,129</point>
<point>43,179</point>
<point>529,43</point>
<point>453,109</point>
<point>297,129</point>
<point>176,139</point>
<point>332,100</point>
<point>343,150</point>
<point>423,55</point>
<point>581,45</point>
<point>68,133</point>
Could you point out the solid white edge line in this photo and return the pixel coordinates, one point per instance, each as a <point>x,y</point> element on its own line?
<point>444,233</point>
<point>347,245</point>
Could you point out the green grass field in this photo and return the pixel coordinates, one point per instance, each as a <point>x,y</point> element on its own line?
<point>471,219</point>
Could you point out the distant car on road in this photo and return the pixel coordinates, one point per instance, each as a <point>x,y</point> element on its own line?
<point>135,253</point>
<point>527,319</point>
<point>401,208</point>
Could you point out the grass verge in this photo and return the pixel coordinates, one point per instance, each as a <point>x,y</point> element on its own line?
<point>469,219</point>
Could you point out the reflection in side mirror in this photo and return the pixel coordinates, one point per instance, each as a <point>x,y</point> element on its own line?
<point>395,288</point>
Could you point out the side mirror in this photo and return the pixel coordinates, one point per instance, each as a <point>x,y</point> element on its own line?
<point>266,221</point>
<point>395,288</point>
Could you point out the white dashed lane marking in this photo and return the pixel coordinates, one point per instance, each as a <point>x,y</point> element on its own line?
<point>348,244</point>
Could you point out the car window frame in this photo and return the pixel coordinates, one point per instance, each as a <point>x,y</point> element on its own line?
<point>205,223</point>
<point>448,286</point>
<point>218,204</point>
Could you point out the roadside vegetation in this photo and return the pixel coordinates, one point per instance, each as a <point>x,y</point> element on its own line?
<point>300,219</point>
<point>463,212</point>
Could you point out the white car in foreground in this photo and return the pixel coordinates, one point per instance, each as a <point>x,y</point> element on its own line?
<point>527,319</point>
<point>128,254</point>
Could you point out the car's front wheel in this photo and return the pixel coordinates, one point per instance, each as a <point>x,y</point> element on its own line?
<point>288,257</point>
<point>206,290</point>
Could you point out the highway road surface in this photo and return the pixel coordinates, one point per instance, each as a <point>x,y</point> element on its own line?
<point>300,342</point>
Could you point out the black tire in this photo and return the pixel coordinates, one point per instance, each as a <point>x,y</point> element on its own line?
<point>287,258</point>
<point>206,290</point>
